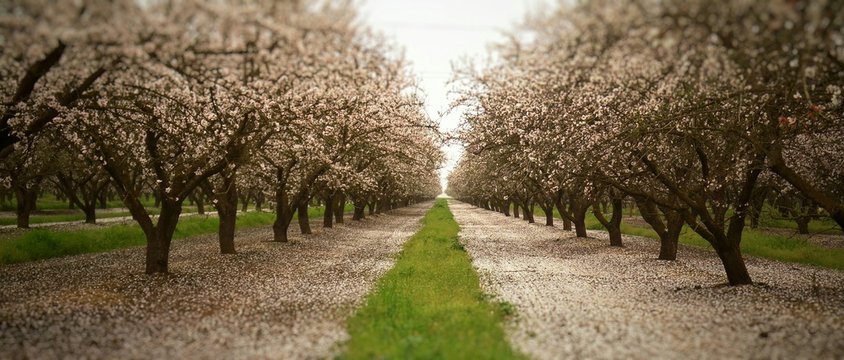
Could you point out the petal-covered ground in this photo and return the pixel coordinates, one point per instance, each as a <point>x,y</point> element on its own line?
<point>580,298</point>
<point>270,300</point>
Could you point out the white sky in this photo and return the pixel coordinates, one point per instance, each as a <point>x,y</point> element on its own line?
<point>436,33</point>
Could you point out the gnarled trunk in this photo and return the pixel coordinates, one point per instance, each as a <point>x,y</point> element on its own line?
<point>26,204</point>
<point>669,238</point>
<point>283,212</point>
<point>199,201</point>
<point>259,201</point>
<point>580,221</point>
<point>733,262</point>
<point>302,215</point>
<point>328,214</point>
<point>371,207</point>
<point>613,225</point>
<point>90,214</point>
<point>549,215</point>
<point>226,206</point>
<point>668,231</point>
<point>160,236</point>
<point>339,208</point>
<point>527,210</point>
<point>103,199</point>
<point>360,212</point>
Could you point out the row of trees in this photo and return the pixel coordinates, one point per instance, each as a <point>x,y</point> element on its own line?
<point>696,113</point>
<point>291,100</point>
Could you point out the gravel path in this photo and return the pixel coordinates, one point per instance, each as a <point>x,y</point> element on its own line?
<point>579,298</point>
<point>269,301</point>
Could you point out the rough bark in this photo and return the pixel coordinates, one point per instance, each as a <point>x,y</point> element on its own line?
<point>613,224</point>
<point>199,201</point>
<point>160,236</point>
<point>733,262</point>
<point>302,215</point>
<point>579,221</point>
<point>563,210</point>
<point>259,201</point>
<point>668,230</point>
<point>227,213</point>
<point>26,204</point>
<point>757,202</point>
<point>359,213</point>
<point>244,201</point>
<point>549,215</point>
<point>328,214</point>
<point>339,208</point>
<point>284,214</point>
<point>725,241</point>
<point>90,214</point>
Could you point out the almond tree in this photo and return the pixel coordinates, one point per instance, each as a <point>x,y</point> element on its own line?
<point>680,105</point>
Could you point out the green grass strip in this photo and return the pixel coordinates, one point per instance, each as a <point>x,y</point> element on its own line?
<point>793,249</point>
<point>430,305</point>
<point>49,243</point>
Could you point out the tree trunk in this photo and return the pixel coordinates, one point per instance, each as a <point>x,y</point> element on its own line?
<point>26,204</point>
<point>227,213</point>
<point>805,214</point>
<point>328,214</point>
<point>549,215</point>
<point>733,264</point>
<point>259,201</point>
<point>103,198</point>
<point>371,206</point>
<point>199,200</point>
<point>359,213</point>
<point>161,236</point>
<point>803,224</point>
<point>558,203</point>
<point>529,210</point>
<point>506,208</point>
<point>340,208</point>
<point>90,214</point>
<point>244,201</point>
<point>757,202</point>
<point>580,221</point>
<point>284,214</point>
<point>516,210</point>
<point>304,220</point>
<point>613,224</point>
<point>669,238</point>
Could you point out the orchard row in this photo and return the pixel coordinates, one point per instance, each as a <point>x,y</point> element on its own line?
<point>700,114</point>
<point>285,100</point>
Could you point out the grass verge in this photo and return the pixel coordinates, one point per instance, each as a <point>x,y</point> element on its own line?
<point>754,242</point>
<point>78,215</point>
<point>430,305</point>
<point>46,243</point>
